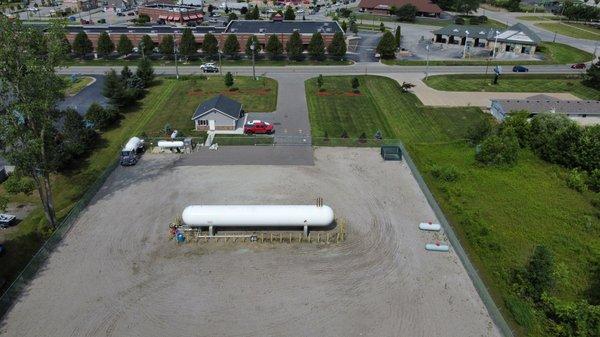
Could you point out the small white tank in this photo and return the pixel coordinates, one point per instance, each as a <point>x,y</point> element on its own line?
<point>168,144</point>
<point>428,226</point>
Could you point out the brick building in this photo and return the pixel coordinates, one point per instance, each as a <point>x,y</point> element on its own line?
<point>384,7</point>
<point>171,13</point>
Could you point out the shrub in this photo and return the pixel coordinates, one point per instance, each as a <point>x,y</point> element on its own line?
<point>576,180</point>
<point>3,203</point>
<point>362,138</point>
<point>520,310</point>
<point>540,272</point>
<point>500,149</point>
<point>459,21</point>
<point>593,180</point>
<point>446,173</point>
<point>344,134</point>
<point>474,20</point>
<point>483,18</point>
<point>100,117</point>
<point>16,184</point>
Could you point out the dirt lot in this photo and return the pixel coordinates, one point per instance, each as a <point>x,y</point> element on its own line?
<point>117,274</point>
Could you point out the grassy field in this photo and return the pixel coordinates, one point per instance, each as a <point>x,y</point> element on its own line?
<point>498,213</point>
<point>554,53</point>
<point>575,30</point>
<point>164,100</point>
<point>188,93</point>
<point>514,83</point>
<point>73,88</point>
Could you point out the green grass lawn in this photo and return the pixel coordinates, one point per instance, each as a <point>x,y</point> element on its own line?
<point>187,93</point>
<point>514,83</point>
<point>575,30</point>
<point>166,99</point>
<point>499,214</point>
<point>73,88</point>
<point>546,17</point>
<point>554,53</point>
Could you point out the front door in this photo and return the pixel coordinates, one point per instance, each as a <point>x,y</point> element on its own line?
<point>211,124</point>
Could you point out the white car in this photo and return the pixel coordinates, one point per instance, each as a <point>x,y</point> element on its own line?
<point>32,9</point>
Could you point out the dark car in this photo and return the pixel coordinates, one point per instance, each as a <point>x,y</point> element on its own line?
<point>578,66</point>
<point>209,68</point>
<point>520,69</point>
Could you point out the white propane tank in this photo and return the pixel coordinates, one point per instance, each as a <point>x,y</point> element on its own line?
<point>167,144</point>
<point>257,215</point>
<point>133,144</point>
<point>437,247</point>
<point>428,226</point>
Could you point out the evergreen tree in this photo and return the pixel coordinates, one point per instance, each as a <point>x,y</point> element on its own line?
<point>398,36</point>
<point>387,46</point>
<point>100,117</point>
<point>355,83</point>
<point>82,45</point>
<point>167,45</point>
<point>344,26</point>
<point>228,80</point>
<point>145,71</point>
<point>77,138</point>
<point>353,27</point>
<point>210,46</point>
<point>188,46</point>
<point>65,45</point>
<point>289,14</point>
<point>248,51</point>
<point>126,74</point>
<point>253,14</point>
<point>320,81</point>
<point>540,271</point>
<point>231,47</point>
<point>337,47</point>
<point>114,90</point>
<point>274,47</point>
<point>294,47</point>
<point>591,78</point>
<point>381,27</point>
<point>232,16</point>
<point>105,45</point>
<point>316,47</point>
<point>146,46</point>
<point>124,47</point>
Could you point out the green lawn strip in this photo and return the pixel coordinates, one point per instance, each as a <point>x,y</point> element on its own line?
<point>550,83</point>
<point>188,92</point>
<point>225,63</point>
<point>242,140</point>
<point>498,213</point>
<point>554,53</point>
<point>537,17</point>
<point>575,30</point>
<point>73,88</point>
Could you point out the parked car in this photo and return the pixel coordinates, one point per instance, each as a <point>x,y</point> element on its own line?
<point>6,220</point>
<point>578,66</point>
<point>120,14</point>
<point>257,126</point>
<point>130,14</point>
<point>520,69</point>
<point>102,21</point>
<point>209,68</point>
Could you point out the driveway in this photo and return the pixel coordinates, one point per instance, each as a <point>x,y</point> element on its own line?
<point>90,94</point>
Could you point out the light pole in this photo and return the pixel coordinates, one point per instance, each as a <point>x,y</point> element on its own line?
<point>220,65</point>
<point>427,64</point>
<point>142,48</point>
<point>253,47</point>
<point>175,55</point>
<point>595,50</point>
<point>495,44</point>
<point>465,46</point>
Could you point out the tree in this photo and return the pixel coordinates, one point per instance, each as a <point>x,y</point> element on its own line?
<point>167,45</point>
<point>82,45</point>
<point>77,139</point>
<point>114,90</point>
<point>231,46</point>
<point>210,46</point>
<point>387,46</point>
<point>337,47</point>
<point>407,13</point>
<point>105,45</point>
<point>253,14</point>
<point>398,36</point>
<point>289,14</point>
<point>320,81</point>
<point>126,74</point>
<point>294,47</point>
<point>252,40</point>
<point>274,47</point>
<point>591,78</point>
<point>228,80</point>
<point>124,47</point>
<point>355,84</point>
<point>519,121</point>
<point>145,71</point>
<point>30,90</point>
<point>244,10</point>
<point>100,117</point>
<point>353,27</point>
<point>555,138</point>
<point>316,47</point>
<point>344,26</point>
<point>513,5</point>
<point>499,149</point>
<point>188,46</point>
<point>232,16</point>
<point>381,27</point>
<point>146,46</point>
<point>540,271</point>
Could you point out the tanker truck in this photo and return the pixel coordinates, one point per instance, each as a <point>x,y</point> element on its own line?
<point>131,152</point>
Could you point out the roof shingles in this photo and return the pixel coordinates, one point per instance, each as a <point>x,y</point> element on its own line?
<point>221,103</point>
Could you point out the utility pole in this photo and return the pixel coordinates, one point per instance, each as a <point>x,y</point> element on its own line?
<point>495,45</point>
<point>465,46</point>
<point>253,47</point>
<point>554,39</point>
<point>175,54</point>
<point>427,64</point>
<point>220,64</point>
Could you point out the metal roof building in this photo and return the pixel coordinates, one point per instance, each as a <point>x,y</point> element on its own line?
<point>500,108</point>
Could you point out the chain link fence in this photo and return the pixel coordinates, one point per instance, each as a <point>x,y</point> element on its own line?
<point>39,259</point>
<point>482,290</point>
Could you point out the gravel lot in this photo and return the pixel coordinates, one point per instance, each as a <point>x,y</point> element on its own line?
<point>117,274</point>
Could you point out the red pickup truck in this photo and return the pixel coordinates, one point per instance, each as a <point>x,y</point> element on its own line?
<point>256,126</point>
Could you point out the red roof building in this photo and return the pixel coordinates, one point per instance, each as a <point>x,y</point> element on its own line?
<point>424,7</point>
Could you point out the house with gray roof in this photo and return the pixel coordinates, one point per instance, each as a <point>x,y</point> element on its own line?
<point>218,113</point>
<point>576,109</point>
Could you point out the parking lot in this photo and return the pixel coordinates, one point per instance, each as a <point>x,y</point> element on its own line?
<point>117,273</point>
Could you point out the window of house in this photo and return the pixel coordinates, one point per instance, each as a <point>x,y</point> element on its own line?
<point>203,122</point>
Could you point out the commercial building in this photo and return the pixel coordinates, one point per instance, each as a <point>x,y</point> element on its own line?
<point>383,7</point>
<point>517,39</point>
<point>81,5</point>
<point>575,109</point>
<point>162,12</point>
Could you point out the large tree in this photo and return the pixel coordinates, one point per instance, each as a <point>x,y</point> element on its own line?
<point>146,46</point>
<point>167,45</point>
<point>253,14</point>
<point>210,45</point>
<point>294,47</point>
<point>231,47</point>
<point>252,40</point>
<point>124,47</point>
<point>289,14</point>
<point>337,47</point>
<point>274,47</point>
<point>82,45</point>
<point>407,13</point>
<point>105,45</point>
<point>188,46</point>
<point>29,92</point>
<point>387,46</point>
<point>145,72</point>
<point>316,47</point>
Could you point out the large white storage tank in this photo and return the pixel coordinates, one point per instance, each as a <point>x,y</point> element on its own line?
<point>258,216</point>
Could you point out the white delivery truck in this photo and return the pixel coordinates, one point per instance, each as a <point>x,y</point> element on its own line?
<point>131,151</point>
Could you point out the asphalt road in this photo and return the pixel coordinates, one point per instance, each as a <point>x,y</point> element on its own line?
<point>90,94</point>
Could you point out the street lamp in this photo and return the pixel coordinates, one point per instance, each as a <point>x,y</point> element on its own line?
<point>175,55</point>
<point>465,46</point>
<point>427,65</point>
<point>253,47</point>
<point>495,44</point>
